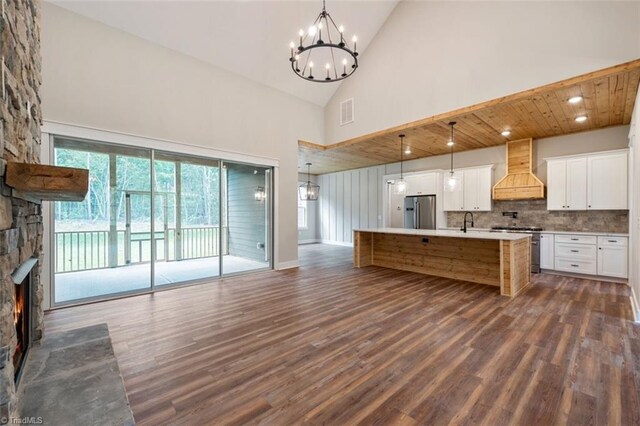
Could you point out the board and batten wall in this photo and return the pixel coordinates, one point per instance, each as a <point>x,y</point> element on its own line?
<point>349,200</point>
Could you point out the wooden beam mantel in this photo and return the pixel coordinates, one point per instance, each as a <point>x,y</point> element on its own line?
<point>47,183</point>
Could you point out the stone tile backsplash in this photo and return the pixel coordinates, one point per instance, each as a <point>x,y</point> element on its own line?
<point>535,213</point>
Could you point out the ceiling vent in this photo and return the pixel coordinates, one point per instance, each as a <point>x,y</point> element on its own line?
<point>346,112</point>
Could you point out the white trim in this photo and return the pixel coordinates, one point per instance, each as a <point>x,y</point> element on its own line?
<point>635,306</point>
<point>337,243</point>
<point>288,265</point>
<point>586,154</point>
<point>311,241</point>
<point>101,135</point>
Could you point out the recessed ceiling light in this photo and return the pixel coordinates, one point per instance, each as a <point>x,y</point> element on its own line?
<point>581,118</point>
<point>575,99</point>
<point>506,133</point>
<point>407,151</point>
<point>450,143</point>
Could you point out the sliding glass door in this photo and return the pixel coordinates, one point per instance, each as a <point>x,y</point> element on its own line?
<point>102,244</point>
<point>246,211</point>
<point>157,219</point>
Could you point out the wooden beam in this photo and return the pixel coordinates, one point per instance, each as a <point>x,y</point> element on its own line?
<point>48,183</point>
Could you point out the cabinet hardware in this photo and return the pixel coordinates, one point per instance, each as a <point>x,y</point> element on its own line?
<point>575,239</point>
<point>612,241</point>
<point>575,266</point>
<point>575,251</point>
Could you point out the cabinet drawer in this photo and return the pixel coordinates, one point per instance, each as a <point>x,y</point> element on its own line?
<point>576,251</point>
<point>577,239</point>
<point>612,241</point>
<point>578,266</point>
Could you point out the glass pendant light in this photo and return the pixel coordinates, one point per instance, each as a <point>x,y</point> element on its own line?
<point>309,191</point>
<point>400,185</point>
<point>451,181</point>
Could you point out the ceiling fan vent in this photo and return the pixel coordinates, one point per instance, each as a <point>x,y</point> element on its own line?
<point>346,112</point>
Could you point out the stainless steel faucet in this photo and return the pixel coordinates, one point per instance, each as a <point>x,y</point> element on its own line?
<point>464,223</point>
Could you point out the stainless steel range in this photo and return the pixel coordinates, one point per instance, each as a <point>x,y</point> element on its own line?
<point>535,242</point>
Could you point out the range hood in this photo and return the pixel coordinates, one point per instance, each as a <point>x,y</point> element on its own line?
<point>519,183</point>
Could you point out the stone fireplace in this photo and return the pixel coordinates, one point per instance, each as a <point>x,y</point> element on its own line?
<point>21,303</point>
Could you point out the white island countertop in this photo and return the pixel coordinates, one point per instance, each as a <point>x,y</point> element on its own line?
<point>478,235</point>
<point>550,231</point>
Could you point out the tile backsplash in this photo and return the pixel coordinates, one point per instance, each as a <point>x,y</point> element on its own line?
<point>535,213</point>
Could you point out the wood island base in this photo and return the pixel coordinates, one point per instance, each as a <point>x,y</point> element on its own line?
<point>504,263</point>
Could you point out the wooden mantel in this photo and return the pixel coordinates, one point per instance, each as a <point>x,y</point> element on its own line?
<point>47,183</point>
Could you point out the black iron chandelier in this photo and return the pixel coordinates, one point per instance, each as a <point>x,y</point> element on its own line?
<point>325,44</point>
<point>309,191</point>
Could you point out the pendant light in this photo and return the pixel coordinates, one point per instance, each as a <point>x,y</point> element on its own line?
<point>309,191</point>
<point>400,185</point>
<point>451,182</point>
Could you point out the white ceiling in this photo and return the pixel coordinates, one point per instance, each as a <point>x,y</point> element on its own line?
<point>250,38</point>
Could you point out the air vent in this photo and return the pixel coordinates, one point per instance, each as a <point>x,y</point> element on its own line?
<point>346,112</point>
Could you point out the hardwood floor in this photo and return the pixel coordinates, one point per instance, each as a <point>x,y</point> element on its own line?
<point>327,343</point>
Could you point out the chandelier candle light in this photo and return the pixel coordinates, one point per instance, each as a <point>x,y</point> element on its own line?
<point>451,183</point>
<point>400,185</point>
<point>326,43</point>
<point>309,191</point>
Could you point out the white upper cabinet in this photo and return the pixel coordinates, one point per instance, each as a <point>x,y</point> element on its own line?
<point>473,192</point>
<point>577,184</point>
<point>607,181</point>
<point>596,181</point>
<point>422,184</point>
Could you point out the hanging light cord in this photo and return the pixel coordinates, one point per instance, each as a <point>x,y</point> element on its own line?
<point>401,154</point>
<point>452,124</point>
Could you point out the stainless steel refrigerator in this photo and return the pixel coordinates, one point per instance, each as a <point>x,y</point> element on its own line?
<point>420,212</point>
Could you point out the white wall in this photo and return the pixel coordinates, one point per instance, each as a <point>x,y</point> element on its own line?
<point>350,200</point>
<point>431,57</point>
<point>100,77</point>
<point>337,217</point>
<point>634,213</point>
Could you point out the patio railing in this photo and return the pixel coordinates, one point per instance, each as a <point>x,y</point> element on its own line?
<point>86,250</point>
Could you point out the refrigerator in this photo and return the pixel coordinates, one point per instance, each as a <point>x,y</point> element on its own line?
<point>420,212</point>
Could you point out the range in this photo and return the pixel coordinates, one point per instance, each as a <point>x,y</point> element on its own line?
<point>535,242</point>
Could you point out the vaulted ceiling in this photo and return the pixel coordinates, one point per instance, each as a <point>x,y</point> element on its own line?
<point>250,38</point>
<point>608,98</point>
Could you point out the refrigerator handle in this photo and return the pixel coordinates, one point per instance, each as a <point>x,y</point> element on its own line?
<point>417,213</point>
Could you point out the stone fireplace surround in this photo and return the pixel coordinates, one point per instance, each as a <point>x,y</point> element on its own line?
<point>20,219</point>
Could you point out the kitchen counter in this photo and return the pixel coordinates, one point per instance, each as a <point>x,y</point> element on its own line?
<point>452,233</point>
<point>548,231</point>
<point>493,258</point>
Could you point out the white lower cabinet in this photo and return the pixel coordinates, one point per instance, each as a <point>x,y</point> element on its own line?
<point>585,254</point>
<point>612,257</point>
<point>547,256</point>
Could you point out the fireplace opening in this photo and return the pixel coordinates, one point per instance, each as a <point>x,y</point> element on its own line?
<point>22,313</point>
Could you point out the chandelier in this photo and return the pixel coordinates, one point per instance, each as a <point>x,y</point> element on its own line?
<point>308,191</point>
<point>323,42</point>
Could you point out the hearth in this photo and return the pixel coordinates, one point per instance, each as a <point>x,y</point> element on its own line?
<point>22,278</point>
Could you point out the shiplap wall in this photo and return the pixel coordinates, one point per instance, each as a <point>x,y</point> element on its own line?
<point>349,200</point>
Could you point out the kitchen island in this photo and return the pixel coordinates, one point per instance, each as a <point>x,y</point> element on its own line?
<point>498,259</point>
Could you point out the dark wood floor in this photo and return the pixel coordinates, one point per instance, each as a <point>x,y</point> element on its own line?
<point>335,345</point>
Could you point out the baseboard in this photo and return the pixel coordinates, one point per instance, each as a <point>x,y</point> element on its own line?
<point>337,243</point>
<point>303,242</point>
<point>634,306</point>
<point>288,265</point>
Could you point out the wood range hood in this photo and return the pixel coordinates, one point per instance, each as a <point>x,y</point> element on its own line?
<point>519,183</point>
<point>40,182</point>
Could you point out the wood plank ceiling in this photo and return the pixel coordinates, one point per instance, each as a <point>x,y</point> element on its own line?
<point>608,100</point>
